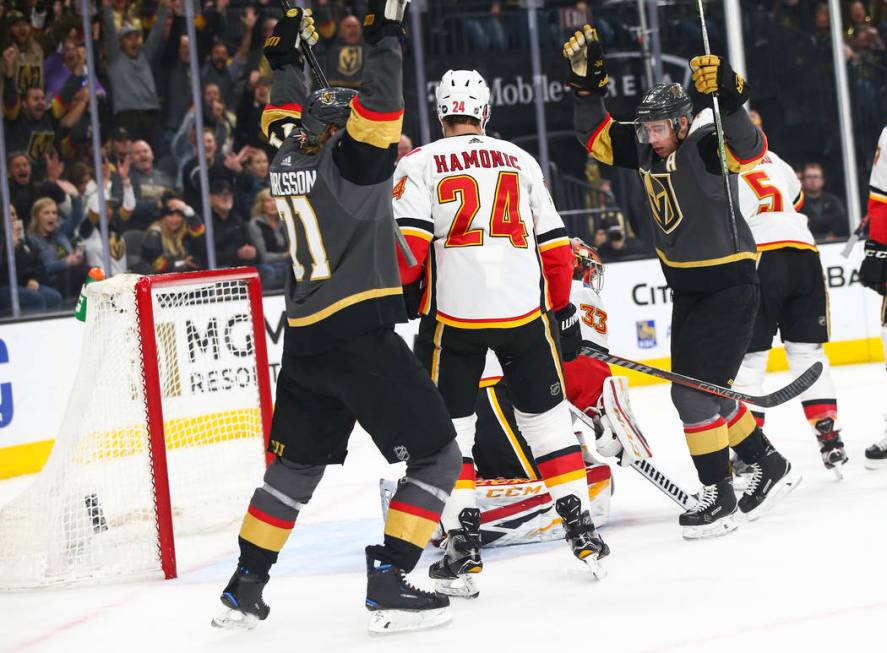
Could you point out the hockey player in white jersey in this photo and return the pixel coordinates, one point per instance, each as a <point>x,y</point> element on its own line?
<point>873,271</point>
<point>494,267</point>
<point>794,298</point>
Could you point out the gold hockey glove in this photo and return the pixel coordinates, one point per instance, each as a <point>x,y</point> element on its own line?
<point>282,47</point>
<point>711,74</point>
<point>588,71</point>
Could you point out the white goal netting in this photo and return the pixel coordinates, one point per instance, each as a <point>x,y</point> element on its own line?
<point>92,511</point>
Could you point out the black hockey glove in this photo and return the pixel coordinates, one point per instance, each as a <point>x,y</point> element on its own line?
<point>588,71</point>
<point>384,18</point>
<point>282,47</point>
<point>873,271</point>
<point>711,74</point>
<point>412,296</point>
<point>569,331</point>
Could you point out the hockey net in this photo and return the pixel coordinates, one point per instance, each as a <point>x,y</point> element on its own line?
<point>165,428</point>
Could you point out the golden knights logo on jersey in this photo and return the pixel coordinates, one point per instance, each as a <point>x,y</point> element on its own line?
<point>663,202</point>
<point>350,60</point>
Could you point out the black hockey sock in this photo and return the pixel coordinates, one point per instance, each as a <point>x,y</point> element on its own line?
<point>713,467</point>
<point>753,447</point>
<point>255,559</point>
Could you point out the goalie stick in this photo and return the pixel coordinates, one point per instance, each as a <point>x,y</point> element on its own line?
<point>784,394</point>
<point>650,472</point>
<point>321,80</point>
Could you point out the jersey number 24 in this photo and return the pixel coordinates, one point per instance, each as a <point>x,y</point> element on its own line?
<point>505,218</point>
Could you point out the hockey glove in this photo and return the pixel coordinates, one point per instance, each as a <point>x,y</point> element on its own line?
<point>569,331</point>
<point>711,74</point>
<point>873,271</point>
<point>412,296</point>
<point>384,18</point>
<point>282,47</point>
<point>588,72</point>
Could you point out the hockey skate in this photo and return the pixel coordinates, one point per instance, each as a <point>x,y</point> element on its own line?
<point>397,605</point>
<point>452,573</point>
<point>579,531</point>
<point>242,601</point>
<point>831,447</point>
<point>876,455</point>
<point>714,515</point>
<point>742,473</point>
<point>772,480</point>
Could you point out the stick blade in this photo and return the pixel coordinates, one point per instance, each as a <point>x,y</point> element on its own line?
<point>792,390</point>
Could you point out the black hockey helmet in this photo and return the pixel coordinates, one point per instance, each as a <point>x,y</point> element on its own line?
<point>663,102</point>
<point>328,106</point>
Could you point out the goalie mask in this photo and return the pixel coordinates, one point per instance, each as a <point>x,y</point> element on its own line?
<point>587,265</point>
<point>663,102</point>
<point>464,93</point>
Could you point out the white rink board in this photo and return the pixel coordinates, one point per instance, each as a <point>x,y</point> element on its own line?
<point>43,355</point>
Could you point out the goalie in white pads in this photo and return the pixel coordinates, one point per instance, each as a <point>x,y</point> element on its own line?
<point>794,298</point>
<point>495,261</point>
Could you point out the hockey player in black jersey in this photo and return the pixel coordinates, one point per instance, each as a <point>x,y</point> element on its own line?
<point>342,361</point>
<point>711,273</point>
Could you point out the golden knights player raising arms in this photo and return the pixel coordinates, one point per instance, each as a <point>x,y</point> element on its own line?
<point>715,286</point>
<point>342,361</point>
<point>496,265</point>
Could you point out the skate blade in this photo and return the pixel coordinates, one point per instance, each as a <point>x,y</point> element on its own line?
<point>838,472</point>
<point>872,463</point>
<point>463,587</point>
<point>594,567</point>
<point>229,619</point>
<point>782,489</point>
<point>721,527</point>
<point>398,621</point>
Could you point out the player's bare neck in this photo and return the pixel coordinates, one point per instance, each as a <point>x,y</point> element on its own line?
<point>460,130</point>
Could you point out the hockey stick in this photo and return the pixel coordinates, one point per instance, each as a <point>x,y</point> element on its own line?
<point>719,128</point>
<point>784,394</point>
<point>321,79</point>
<point>855,237</point>
<point>649,471</point>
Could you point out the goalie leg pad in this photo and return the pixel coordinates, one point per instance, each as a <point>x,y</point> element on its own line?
<point>462,495</point>
<point>621,420</point>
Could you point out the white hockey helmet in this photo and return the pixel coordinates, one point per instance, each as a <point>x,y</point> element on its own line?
<point>463,93</point>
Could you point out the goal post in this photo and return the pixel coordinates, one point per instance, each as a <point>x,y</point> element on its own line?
<point>164,434</point>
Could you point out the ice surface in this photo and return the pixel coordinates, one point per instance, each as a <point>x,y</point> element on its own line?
<point>809,576</point>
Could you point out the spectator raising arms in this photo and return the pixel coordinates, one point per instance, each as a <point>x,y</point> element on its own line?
<point>32,294</point>
<point>29,125</point>
<point>64,266</point>
<point>28,53</point>
<point>129,69</point>
<point>175,243</point>
<point>268,233</point>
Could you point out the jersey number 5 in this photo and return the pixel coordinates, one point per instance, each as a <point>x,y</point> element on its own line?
<point>770,199</point>
<point>505,219</point>
<point>297,207</point>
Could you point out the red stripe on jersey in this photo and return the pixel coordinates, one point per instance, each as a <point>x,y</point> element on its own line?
<point>269,519</point>
<point>284,107</point>
<point>877,210</point>
<point>755,157</point>
<point>467,320</point>
<point>416,511</point>
<point>377,116</point>
<point>557,266</point>
<point>597,130</point>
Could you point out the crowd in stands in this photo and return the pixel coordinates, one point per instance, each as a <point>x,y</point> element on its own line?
<point>153,200</point>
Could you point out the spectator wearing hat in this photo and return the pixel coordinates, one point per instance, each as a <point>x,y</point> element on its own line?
<point>135,101</point>
<point>176,242</point>
<point>26,52</point>
<point>232,242</point>
<point>119,145</point>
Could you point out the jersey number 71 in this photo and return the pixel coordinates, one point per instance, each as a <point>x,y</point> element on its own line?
<point>297,207</point>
